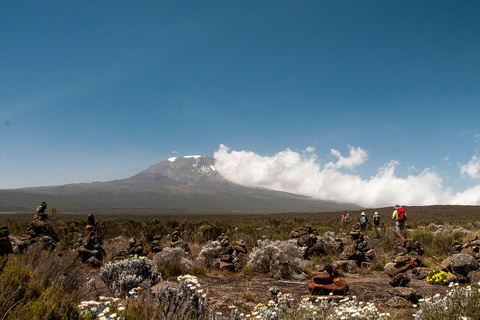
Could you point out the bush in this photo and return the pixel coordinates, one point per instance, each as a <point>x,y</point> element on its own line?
<point>23,297</point>
<point>189,302</point>
<point>458,303</point>
<point>172,262</point>
<point>125,275</point>
<point>279,258</point>
<point>210,253</point>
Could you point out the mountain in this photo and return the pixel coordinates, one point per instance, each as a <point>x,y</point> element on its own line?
<point>185,185</point>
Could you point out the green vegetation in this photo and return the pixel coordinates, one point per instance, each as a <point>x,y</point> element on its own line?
<point>42,284</point>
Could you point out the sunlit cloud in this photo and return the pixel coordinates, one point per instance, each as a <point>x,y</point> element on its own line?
<point>301,173</point>
<point>472,169</point>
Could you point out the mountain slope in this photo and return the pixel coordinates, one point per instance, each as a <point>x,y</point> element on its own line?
<point>177,185</point>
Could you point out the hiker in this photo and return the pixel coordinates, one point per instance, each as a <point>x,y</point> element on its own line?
<point>348,218</point>
<point>399,216</point>
<point>40,212</point>
<point>92,223</point>
<point>376,219</point>
<point>363,221</point>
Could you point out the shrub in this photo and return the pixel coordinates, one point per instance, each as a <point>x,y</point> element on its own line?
<point>122,276</point>
<point>23,297</point>
<point>458,303</point>
<point>279,258</point>
<point>188,302</point>
<point>61,268</point>
<point>210,253</point>
<point>172,262</point>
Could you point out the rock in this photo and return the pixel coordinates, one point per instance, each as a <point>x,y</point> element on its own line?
<point>400,280</point>
<point>365,265</point>
<point>226,266</point>
<point>349,253</point>
<point>460,278</point>
<point>398,303</point>
<point>452,278</point>
<point>339,286</point>
<point>421,273</point>
<point>473,276</point>
<point>349,266</point>
<point>239,248</point>
<point>406,293</point>
<point>446,264</point>
<point>464,263</point>
<point>370,256</point>
<point>392,269</point>
<point>322,278</point>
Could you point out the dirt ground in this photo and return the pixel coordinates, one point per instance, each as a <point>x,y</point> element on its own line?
<point>245,291</point>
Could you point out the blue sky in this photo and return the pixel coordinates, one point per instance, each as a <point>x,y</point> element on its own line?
<point>98,90</point>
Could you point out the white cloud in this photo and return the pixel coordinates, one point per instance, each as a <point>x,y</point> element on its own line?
<point>472,168</point>
<point>357,157</point>
<point>301,173</point>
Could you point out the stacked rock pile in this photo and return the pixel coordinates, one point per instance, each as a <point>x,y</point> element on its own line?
<point>135,247</point>
<point>407,257</point>
<point>306,239</point>
<point>155,246</point>
<point>5,244</point>
<point>89,247</point>
<point>231,257</point>
<point>471,247</point>
<point>359,253</point>
<point>177,242</point>
<point>327,282</point>
<point>463,264</point>
<point>39,231</point>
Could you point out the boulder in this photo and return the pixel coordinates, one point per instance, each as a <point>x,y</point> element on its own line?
<point>446,264</point>
<point>337,287</point>
<point>463,263</point>
<point>400,280</point>
<point>421,273</point>
<point>392,269</point>
<point>349,266</point>
<point>406,293</point>
<point>349,253</point>
<point>474,276</point>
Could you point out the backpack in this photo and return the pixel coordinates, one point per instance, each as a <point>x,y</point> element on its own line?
<point>363,220</point>
<point>401,215</point>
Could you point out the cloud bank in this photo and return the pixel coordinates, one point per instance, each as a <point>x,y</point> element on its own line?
<point>301,173</point>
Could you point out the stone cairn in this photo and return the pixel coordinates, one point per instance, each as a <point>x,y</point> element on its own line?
<point>155,246</point>
<point>327,282</point>
<point>231,257</point>
<point>89,247</point>
<point>359,253</point>
<point>135,247</point>
<point>5,244</point>
<point>177,242</point>
<point>39,231</point>
<point>307,240</point>
<point>407,256</point>
<point>463,262</point>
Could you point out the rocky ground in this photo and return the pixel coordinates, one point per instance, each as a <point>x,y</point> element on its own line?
<point>245,291</point>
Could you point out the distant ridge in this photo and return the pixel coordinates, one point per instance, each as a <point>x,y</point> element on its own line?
<point>183,185</point>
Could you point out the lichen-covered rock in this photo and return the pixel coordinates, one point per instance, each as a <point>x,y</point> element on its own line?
<point>348,266</point>
<point>463,263</point>
<point>404,292</point>
<point>400,280</point>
